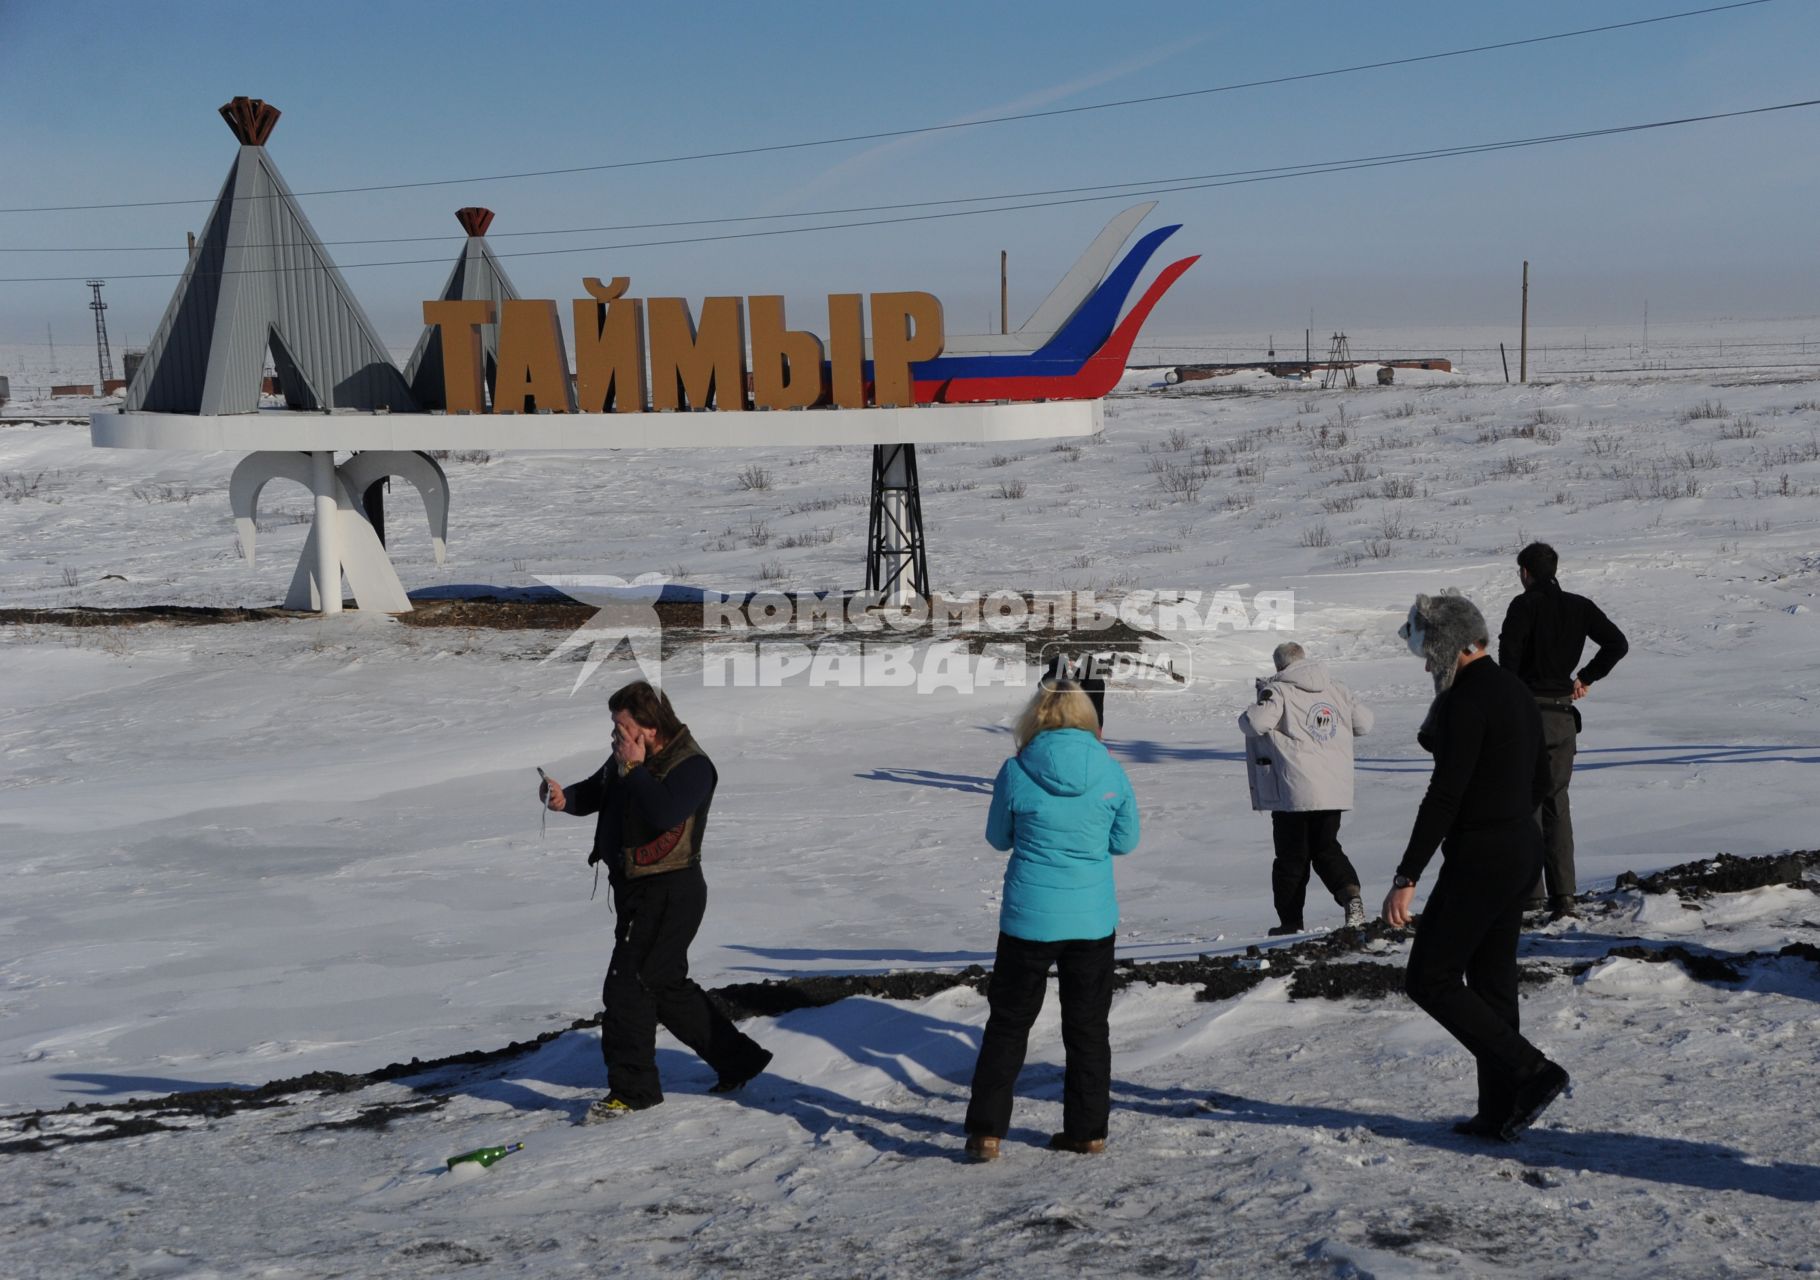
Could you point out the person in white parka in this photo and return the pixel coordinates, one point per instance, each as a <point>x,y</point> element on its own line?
<point>1298,758</point>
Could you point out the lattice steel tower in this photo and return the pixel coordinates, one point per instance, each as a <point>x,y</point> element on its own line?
<point>1339,364</point>
<point>104,357</point>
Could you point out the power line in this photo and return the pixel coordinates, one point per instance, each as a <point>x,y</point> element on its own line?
<point>1270,176</point>
<point>1122,188</point>
<point>762,217</point>
<point>883,135</point>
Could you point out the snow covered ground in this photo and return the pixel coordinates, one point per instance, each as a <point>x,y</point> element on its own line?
<point>240,852</point>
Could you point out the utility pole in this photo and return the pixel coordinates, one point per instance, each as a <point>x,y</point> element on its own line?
<point>1004,292</point>
<point>104,356</point>
<point>1523,358</point>
<point>50,340</point>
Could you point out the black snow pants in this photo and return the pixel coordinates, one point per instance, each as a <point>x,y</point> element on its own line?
<point>1020,978</point>
<point>1463,963</point>
<point>648,983</point>
<point>1302,840</point>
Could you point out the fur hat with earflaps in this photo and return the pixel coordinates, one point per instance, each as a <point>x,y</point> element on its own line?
<point>1440,628</point>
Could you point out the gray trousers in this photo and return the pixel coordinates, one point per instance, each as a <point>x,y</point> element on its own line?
<point>1560,725</point>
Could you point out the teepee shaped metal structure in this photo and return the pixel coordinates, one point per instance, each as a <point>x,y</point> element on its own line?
<point>476,275</point>
<point>260,281</point>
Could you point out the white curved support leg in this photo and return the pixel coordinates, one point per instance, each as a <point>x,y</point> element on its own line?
<point>361,471</point>
<point>351,547</point>
<point>251,475</point>
<point>369,570</point>
<point>325,534</point>
<point>370,574</point>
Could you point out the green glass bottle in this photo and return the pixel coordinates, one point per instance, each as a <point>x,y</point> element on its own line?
<point>485,1157</point>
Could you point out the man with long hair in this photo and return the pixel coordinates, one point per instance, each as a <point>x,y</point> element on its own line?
<point>652,796</point>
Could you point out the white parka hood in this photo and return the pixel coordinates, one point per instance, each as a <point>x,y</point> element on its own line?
<point>1307,675</point>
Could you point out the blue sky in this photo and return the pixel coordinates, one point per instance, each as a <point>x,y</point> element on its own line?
<point>110,101</point>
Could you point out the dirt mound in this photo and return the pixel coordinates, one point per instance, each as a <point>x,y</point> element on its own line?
<point>683,623</point>
<point>1727,873</point>
<point>1361,979</point>
<point>1366,980</point>
<point>168,614</point>
<point>774,996</point>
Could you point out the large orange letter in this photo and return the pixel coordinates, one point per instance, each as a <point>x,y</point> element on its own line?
<point>847,349</point>
<point>458,326</point>
<point>786,364</point>
<point>609,349</point>
<point>905,327</point>
<point>693,366</point>
<point>533,368</point>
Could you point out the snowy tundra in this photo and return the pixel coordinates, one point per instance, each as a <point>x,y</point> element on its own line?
<point>248,851</point>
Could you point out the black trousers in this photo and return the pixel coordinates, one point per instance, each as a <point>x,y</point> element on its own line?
<point>1303,840</point>
<point>1560,725</point>
<point>1463,963</point>
<point>648,983</point>
<point>1020,976</point>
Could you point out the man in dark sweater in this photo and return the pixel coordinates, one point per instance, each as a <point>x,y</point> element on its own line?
<point>1545,631</point>
<point>652,796</point>
<point>1490,770</point>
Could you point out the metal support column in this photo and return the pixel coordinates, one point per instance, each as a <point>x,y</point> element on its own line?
<point>897,565</point>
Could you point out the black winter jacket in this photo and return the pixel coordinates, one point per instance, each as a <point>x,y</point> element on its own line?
<point>1491,770</point>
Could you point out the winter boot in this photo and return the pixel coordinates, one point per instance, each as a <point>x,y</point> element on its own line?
<point>982,1147</point>
<point>1561,907</point>
<point>1533,1096</point>
<point>734,1081</point>
<point>612,1107</point>
<point>1079,1146</point>
<point>1355,913</point>
<point>1284,930</point>
<point>1479,1126</point>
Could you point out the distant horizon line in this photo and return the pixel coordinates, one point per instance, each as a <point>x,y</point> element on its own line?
<point>83,333</point>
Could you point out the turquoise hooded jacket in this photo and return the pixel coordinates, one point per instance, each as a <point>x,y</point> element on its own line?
<point>1063,807</point>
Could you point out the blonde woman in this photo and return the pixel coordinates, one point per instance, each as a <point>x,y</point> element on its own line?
<point>1063,807</point>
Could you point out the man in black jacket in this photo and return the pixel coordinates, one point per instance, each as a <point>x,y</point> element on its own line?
<point>652,796</point>
<point>1545,631</point>
<point>1490,769</point>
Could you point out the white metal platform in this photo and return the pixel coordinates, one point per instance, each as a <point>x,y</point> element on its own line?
<point>925,424</point>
